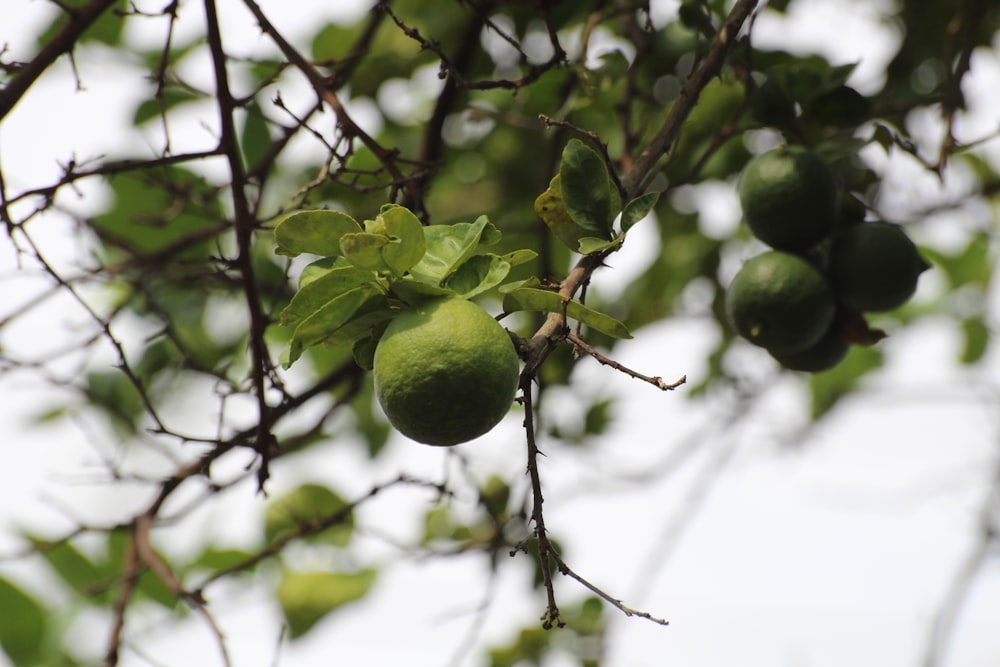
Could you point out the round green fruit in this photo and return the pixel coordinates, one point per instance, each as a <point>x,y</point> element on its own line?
<point>445,372</point>
<point>781,302</point>
<point>822,355</point>
<point>874,266</point>
<point>790,198</point>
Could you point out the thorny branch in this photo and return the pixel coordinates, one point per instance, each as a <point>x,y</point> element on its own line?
<point>62,43</point>
<point>539,346</point>
<point>409,181</point>
<point>245,224</point>
<point>656,380</point>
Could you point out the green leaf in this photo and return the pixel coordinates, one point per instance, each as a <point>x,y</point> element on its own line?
<point>114,393</point>
<point>321,267</point>
<point>638,208</point>
<point>170,97</point>
<point>325,321</point>
<point>23,624</point>
<point>477,275</point>
<point>363,352</point>
<point>316,232</point>
<point>315,294</point>
<point>166,209</point>
<point>550,207</point>
<point>973,265</point>
<point>306,597</point>
<point>82,575</point>
<point>977,339</point>
<point>305,507</point>
<point>586,188</point>
<point>364,250</point>
<point>217,560</point>
<point>375,311</point>
<point>333,42</point>
<point>447,247</point>
<point>519,257</point>
<point>414,292</point>
<point>255,140</point>
<point>527,298</point>
<point>592,244</point>
<point>406,234</point>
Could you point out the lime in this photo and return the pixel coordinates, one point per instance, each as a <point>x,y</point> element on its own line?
<point>790,198</point>
<point>822,355</point>
<point>874,266</point>
<point>445,372</point>
<point>781,302</point>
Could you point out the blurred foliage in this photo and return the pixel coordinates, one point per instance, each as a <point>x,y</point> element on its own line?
<point>480,134</point>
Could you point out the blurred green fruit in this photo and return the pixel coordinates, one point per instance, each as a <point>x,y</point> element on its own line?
<point>874,267</point>
<point>790,198</point>
<point>781,302</point>
<point>822,355</point>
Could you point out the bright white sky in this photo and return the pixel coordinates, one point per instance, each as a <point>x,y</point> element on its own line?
<point>822,549</point>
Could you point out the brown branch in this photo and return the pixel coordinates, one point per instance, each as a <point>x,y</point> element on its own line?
<point>655,380</point>
<point>312,527</point>
<point>709,67</point>
<point>615,602</point>
<point>537,348</point>
<point>245,225</point>
<point>325,91</point>
<point>131,574</point>
<point>430,146</point>
<point>63,42</point>
<point>71,174</point>
<point>534,72</point>
<point>551,616</point>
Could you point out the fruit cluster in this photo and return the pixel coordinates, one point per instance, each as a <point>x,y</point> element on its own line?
<point>804,300</point>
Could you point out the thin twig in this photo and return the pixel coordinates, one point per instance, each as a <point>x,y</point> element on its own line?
<point>551,616</point>
<point>61,43</point>
<point>655,380</point>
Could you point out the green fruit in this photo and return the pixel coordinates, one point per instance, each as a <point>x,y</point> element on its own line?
<point>822,355</point>
<point>790,198</point>
<point>445,372</point>
<point>781,302</point>
<point>874,266</point>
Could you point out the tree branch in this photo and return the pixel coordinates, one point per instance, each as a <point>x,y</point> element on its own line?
<point>709,67</point>
<point>63,42</point>
<point>245,225</point>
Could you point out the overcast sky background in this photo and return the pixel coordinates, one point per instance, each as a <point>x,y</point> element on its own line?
<point>829,550</point>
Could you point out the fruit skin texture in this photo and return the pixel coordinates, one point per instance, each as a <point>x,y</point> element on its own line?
<point>822,355</point>
<point>790,198</point>
<point>445,372</point>
<point>874,266</point>
<point>780,302</point>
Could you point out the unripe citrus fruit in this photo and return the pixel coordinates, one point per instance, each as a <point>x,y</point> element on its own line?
<point>874,266</point>
<point>822,355</point>
<point>790,198</point>
<point>781,302</point>
<point>445,372</point>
